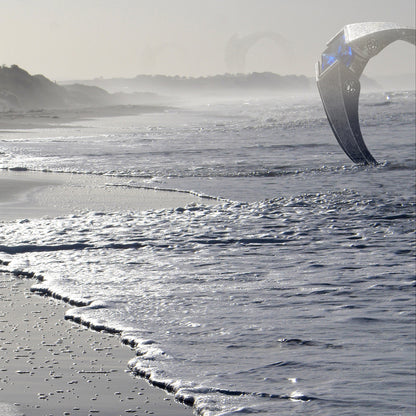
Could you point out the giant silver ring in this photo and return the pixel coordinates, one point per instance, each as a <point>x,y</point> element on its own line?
<point>337,76</point>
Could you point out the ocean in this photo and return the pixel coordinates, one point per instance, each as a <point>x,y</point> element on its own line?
<point>291,291</point>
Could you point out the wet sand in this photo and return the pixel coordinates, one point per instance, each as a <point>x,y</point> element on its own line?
<point>30,194</point>
<point>50,366</point>
<point>12,120</point>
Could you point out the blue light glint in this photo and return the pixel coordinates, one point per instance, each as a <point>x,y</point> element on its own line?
<point>337,50</point>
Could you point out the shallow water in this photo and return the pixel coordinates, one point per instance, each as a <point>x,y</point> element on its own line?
<point>294,295</point>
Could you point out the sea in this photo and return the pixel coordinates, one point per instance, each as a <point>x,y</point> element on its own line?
<point>289,291</point>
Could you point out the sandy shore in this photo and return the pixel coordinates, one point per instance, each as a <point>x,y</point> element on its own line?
<point>37,194</point>
<point>12,120</point>
<point>49,366</point>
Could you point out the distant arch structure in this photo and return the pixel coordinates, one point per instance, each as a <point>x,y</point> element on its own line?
<point>238,47</point>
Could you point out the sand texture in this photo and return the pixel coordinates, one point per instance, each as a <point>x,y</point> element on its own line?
<point>50,366</point>
<point>29,194</point>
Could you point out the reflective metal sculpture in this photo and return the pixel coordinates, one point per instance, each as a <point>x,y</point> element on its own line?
<point>337,75</point>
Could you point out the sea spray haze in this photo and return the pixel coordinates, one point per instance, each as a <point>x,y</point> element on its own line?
<point>293,294</point>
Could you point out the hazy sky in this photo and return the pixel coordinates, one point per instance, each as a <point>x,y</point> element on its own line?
<point>75,39</point>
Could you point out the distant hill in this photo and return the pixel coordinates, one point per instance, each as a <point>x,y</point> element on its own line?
<point>21,91</point>
<point>18,89</point>
<point>224,83</point>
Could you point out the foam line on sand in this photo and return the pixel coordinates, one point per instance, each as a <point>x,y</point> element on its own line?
<point>50,366</point>
<point>29,194</point>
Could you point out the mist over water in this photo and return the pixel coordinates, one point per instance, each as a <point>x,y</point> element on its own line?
<point>291,294</point>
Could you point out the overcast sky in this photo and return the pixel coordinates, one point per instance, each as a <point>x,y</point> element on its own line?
<point>79,39</point>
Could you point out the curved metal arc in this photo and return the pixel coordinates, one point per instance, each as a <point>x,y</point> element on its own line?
<point>338,73</point>
<point>339,90</point>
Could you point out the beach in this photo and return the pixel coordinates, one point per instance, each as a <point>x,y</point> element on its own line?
<point>49,365</point>
<point>25,194</point>
<point>52,118</point>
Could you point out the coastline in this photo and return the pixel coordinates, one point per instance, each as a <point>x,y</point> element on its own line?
<point>31,194</point>
<point>52,366</point>
<point>52,118</point>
